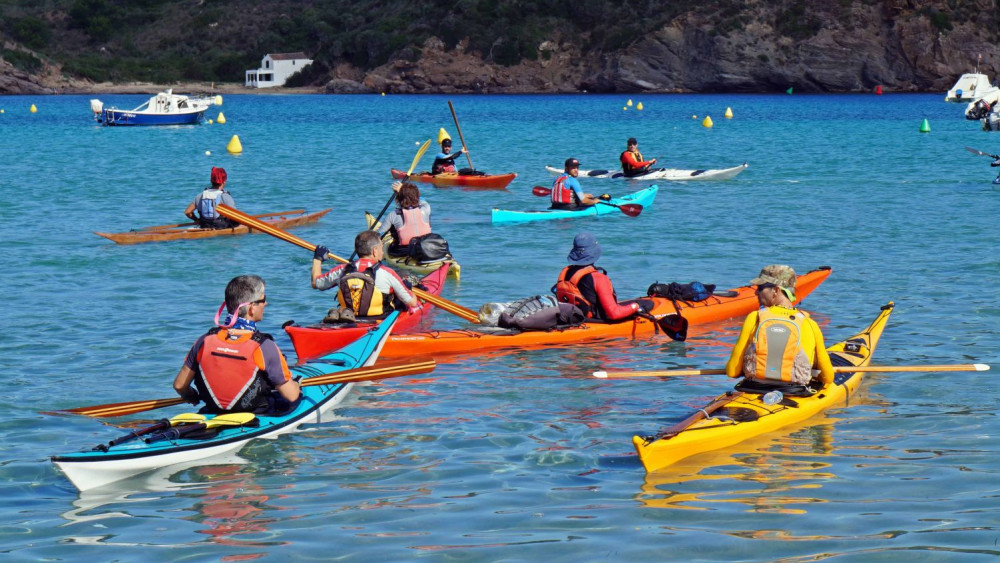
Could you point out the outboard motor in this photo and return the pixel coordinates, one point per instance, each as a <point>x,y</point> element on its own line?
<point>977,110</point>
<point>991,122</point>
<point>96,106</point>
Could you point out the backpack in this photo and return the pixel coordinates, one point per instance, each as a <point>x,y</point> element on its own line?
<point>470,172</point>
<point>539,313</point>
<point>694,291</point>
<point>429,248</point>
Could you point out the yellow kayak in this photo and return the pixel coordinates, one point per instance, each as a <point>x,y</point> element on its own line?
<point>736,416</point>
<point>407,263</point>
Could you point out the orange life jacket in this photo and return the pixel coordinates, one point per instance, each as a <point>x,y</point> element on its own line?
<point>775,353</point>
<point>568,290</point>
<point>230,366</point>
<point>357,291</point>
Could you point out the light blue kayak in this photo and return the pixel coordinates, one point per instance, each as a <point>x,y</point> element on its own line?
<point>642,197</point>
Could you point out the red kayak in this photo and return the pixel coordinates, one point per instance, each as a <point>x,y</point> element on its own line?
<point>483,182</point>
<point>316,340</point>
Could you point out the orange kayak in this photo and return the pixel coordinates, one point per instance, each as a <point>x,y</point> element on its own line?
<point>471,341</point>
<point>484,182</point>
<point>313,341</point>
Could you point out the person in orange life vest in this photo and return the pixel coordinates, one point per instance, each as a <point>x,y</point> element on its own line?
<point>567,192</point>
<point>632,162</point>
<point>444,162</point>
<point>779,344</point>
<point>412,218</point>
<point>588,287</point>
<point>234,367</point>
<point>366,288</point>
<point>205,203</point>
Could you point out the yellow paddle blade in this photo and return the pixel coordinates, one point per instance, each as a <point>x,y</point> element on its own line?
<point>416,159</point>
<point>231,419</point>
<point>442,135</point>
<point>187,418</point>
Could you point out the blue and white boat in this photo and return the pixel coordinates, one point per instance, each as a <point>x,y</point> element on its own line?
<point>165,108</point>
<point>102,465</point>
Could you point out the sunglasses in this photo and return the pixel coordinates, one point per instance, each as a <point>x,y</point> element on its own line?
<point>764,286</point>
<point>261,301</point>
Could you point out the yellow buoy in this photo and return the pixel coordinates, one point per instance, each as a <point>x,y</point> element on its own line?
<point>629,102</point>
<point>639,106</point>
<point>1,111</point>
<point>221,118</point>
<point>442,135</point>
<point>218,99</point>
<point>624,108</point>
<point>383,93</point>
<point>694,117</point>
<point>33,109</point>
<point>707,122</point>
<point>729,113</point>
<point>234,146</point>
<point>209,121</point>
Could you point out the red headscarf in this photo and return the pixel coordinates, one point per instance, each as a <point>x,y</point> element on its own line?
<point>218,176</point>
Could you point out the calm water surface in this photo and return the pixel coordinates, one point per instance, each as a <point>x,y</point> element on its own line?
<point>517,455</point>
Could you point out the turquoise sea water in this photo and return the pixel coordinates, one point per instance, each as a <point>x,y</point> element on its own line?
<point>516,456</point>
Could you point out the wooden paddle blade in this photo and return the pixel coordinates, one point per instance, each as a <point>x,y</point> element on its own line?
<point>122,409</point>
<point>541,191</point>
<point>631,209</point>
<point>371,373</point>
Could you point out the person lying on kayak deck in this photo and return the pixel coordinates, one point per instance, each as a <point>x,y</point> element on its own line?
<point>444,162</point>
<point>205,202</point>
<point>412,218</point>
<point>632,162</point>
<point>366,288</point>
<point>779,345</point>
<point>234,367</point>
<point>567,192</point>
<point>588,287</point>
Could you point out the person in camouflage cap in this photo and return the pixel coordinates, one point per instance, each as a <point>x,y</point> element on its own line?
<point>780,275</point>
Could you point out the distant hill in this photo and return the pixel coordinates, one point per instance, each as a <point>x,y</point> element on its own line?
<point>506,46</point>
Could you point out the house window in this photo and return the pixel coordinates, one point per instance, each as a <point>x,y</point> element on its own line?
<point>267,78</point>
<point>267,64</point>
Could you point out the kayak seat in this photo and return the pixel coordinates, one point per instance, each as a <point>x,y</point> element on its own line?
<point>756,387</point>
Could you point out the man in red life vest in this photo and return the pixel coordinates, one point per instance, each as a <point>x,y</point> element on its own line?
<point>234,367</point>
<point>588,287</point>
<point>566,190</point>
<point>632,162</point>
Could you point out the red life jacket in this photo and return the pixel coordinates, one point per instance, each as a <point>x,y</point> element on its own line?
<point>568,290</point>
<point>231,375</point>
<point>414,225</point>
<point>560,193</point>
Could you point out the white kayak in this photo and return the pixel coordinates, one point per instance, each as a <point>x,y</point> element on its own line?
<point>674,174</point>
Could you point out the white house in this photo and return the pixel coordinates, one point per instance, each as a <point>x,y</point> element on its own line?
<point>275,68</point>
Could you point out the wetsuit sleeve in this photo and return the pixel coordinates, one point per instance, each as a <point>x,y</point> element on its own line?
<point>397,287</point>
<point>734,367</point>
<point>631,160</point>
<point>609,303</point>
<point>274,363</point>
<point>822,360</point>
<point>330,279</point>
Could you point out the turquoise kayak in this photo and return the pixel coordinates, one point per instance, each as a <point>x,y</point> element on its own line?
<point>642,197</point>
<point>102,465</point>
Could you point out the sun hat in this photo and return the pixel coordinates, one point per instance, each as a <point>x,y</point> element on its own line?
<point>780,275</point>
<point>585,251</point>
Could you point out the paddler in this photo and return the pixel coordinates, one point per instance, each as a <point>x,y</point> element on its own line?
<point>234,367</point>
<point>410,219</point>
<point>206,202</point>
<point>567,192</point>
<point>444,162</point>
<point>366,288</point>
<point>588,287</point>
<point>779,345</point>
<point>632,161</point>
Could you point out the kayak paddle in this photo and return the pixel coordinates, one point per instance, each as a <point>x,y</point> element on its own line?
<point>836,369</point>
<point>162,424</point>
<point>460,136</point>
<point>630,209</point>
<point>981,153</point>
<point>416,159</point>
<point>243,218</point>
<point>367,373</point>
<point>229,419</point>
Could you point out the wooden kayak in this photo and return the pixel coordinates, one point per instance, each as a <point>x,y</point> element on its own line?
<point>737,416</point>
<point>484,182</point>
<point>409,264</point>
<point>642,197</point>
<point>314,340</point>
<point>91,468</point>
<point>737,302</point>
<point>670,174</point>
<point>282,219</point>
